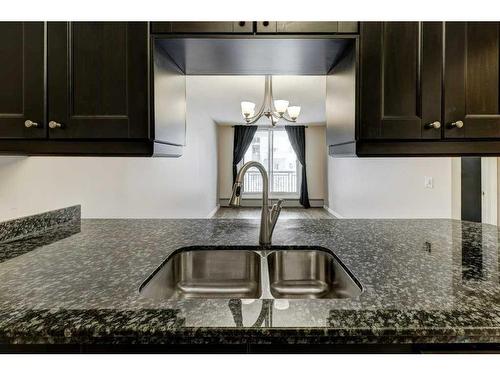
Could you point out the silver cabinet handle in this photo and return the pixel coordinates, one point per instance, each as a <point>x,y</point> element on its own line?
<point>54,125</point>
<point>433,125</point>
<point>457,124</point>
<point>30,124</point>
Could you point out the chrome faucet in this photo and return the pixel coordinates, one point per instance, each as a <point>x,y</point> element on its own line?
<point>268,217</point>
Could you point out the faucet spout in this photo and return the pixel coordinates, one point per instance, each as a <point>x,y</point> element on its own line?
<point>268,217</point>
<point>236,196</point>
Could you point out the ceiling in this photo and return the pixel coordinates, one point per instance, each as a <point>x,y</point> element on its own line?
<point>220,96</point>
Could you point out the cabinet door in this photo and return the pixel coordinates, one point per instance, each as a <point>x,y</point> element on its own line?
<point>22,80</point>
<point>471,83</point>
<point>202,27</point>
<point>307,27</point>
<point>98,80</point>
<point>317,27</point>
<point>400,80</point>
<point>267,27</point>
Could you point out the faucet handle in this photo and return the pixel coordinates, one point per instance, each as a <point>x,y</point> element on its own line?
<point>276,209</point>
<point>274,214</point>
<point>279,203</point>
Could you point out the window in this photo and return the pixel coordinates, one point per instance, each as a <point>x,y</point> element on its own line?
<point>272,148</point>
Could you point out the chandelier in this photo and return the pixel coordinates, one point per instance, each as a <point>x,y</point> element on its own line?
<point>273,109</point>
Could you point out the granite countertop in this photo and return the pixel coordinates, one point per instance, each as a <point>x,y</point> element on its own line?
<point>425,281</point>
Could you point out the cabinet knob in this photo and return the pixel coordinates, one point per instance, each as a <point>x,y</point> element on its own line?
<point>433,125</point>
<point>54,125</point>
<point>30,124</point>
<point>457,124</point>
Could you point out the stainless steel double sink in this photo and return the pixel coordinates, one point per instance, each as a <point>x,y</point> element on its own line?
<point>251,273</point>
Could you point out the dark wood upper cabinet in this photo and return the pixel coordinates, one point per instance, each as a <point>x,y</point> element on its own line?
<point>416,88</point>
<point>22,80</point>
<point>242,27</point>
<point>316,27</point>
<point>471,81</point>
<point>98,80</point>
<point>400,80</point>
<point>249,27</point>
<point>266,27</point>
<point>297,27</point>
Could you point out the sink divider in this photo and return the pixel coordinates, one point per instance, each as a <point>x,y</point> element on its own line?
<point>264,277</point>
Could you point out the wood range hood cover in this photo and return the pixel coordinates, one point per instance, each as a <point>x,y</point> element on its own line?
<point>255,55</point>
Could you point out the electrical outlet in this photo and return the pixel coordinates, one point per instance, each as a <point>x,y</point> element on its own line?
<point>428,247</point>
<point>428,182</point>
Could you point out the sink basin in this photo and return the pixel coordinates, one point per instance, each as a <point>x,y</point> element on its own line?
<point>309,274</point>
<point>206,274</point>
<point>251,273</point>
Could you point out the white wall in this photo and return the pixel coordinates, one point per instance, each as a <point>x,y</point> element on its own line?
<point>456,188</point>
<point>489,189</point>
<point>315,161</point>
<point>316,155</point>
<point>225,160</point>
<point>121,187</point>
<point>390,187</point>
<point>498,191</point>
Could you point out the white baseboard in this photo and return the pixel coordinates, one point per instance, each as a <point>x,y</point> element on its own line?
<point>212,213</point>
<point>336,214</point>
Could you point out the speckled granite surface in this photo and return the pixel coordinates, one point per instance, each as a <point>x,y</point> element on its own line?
<point>425,281</point>
<point>15,248</point>
<point>15,229</point>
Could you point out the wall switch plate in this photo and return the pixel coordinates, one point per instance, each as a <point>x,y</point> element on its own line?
<point>428,182</point>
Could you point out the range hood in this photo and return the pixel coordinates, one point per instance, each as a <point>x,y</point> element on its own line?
<point>255,55</point>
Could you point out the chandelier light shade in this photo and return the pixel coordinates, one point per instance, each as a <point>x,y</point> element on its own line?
<point>248,109</point>
<point>281,106</point>
<point>273,109</point>
<point>293,112</point>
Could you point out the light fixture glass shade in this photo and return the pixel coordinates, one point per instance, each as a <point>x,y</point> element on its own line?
<point>293,111</point>
<point>247,109</point>
<point>281,106</point>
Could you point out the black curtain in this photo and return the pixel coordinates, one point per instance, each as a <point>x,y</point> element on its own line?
<point>243,136</point>
<point>297,137</point>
